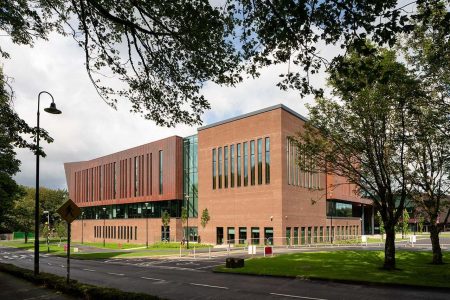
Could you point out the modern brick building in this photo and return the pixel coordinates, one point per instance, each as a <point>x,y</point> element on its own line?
<point>242,170</point>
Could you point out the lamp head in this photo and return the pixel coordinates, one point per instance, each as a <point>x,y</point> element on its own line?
<point>52,109</point>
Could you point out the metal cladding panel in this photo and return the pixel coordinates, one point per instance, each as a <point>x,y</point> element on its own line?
<point>111,179</point>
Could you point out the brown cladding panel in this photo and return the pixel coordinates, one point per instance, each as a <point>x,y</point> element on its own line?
<point>172,148</point>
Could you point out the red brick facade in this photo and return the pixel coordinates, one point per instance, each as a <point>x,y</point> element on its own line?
<point>280,199</point>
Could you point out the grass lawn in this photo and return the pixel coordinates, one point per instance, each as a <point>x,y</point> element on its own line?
<point>123,254</point>
<point>54,248</point>
<point>114,246</point>
<point>414,267</point>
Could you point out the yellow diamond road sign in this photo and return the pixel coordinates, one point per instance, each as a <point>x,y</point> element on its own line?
<point>69,211</point>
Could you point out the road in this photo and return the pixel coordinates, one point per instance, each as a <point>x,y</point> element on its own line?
<point>193,279</point>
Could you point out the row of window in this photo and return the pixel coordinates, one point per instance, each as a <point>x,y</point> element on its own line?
<point>306,235</point>
<point>153,209</point>
<point>131,177</point>
<point>227,164</point>
<point>115,232</point>
<point>296,161</point>
<point>125,232</point>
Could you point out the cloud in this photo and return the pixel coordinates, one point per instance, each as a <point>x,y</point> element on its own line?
<point>88,128</point>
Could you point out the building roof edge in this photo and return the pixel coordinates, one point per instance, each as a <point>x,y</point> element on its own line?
<point>254,113</point>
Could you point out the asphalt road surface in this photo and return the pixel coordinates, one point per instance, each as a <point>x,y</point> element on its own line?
<point>193,279</point>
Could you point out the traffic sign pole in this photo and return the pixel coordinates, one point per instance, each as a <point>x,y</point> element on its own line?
<point>68,252</point>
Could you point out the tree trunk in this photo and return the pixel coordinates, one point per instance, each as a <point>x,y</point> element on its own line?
<point>26,237</point>
<point>436,246</point>
<point>389,249</point>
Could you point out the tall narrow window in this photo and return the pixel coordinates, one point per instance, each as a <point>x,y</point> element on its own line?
<point>219,152</point>
<point>101,181</point>
<point>252,162</point>
<point>232,165</point>
<point>239,164</point>
<point>116,171</point>
<point>267,160</point>
<point>245,163</point>
<point>225,166</point>
<point>259,161</point>
<point>160,172</point>
<point>136,176</point>
<point>214,168</point>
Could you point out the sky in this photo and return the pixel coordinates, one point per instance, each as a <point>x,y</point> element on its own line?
<point>89,128</point>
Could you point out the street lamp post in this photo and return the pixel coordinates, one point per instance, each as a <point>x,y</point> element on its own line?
<point>82,227</point>
<point>146,224</point>
<point>52,110</point>
<point>104,227</point>
<point>48,229</point>
<point>187,219</point>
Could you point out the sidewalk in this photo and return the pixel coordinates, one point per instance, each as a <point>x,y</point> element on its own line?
<point>12,287</point>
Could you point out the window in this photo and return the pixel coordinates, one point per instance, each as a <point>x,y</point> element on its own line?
<point>136,176</point>
<point>245,163</point>
<point>295,235</point>
<point>239,168</point>
<point>255,236</point>
<point>303,235</point>
<point>309,235</point>
<point>315,234</point>
<point>219,235</point>
<point>267,160</point>
<point>149,174</point>
<point>219,152</point>
<point>230,235</point>
<point>321,234</point>
<point>288,235</point>
<point>160,172</point>
<point>242,235</point>
<point>225,165</point>
<point>268,235</point>
<point>214,167</point>
<point>259,161</point>
<point>252,162</point>
<point>341,209</point>
<point>232,165</point>
<point>115,179</point>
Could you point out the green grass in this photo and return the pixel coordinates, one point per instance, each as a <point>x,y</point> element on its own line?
<point>414,268</point>
<point>114,246</point>
<point>123,254</point>
<point>54,248</point>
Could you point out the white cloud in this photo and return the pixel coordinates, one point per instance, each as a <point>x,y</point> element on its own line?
<point>88,128</point>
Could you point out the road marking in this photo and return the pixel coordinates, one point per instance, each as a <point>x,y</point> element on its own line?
<point>118,274</point>
<point>293,296</point>
<point>49,264</point>
<point>210,266</point>
<point>62,266</point>
<point>211,286</point>
<point>89,270</point>
<point>149,278</point>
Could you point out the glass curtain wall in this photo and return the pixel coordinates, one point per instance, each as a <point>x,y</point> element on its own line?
<point>190,176</point>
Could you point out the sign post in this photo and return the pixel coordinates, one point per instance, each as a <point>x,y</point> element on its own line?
<point>69,211</point>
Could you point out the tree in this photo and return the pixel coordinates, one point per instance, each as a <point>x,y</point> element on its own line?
<point>61,230</point>
<point>405,223</point>
<point>205,218</point>
<point>361,134</point>
<point>165,219</point>
<point>162,52</point>
<point>380,221</point>
<point>420,223</point>
<point>21,217</point>
<point>427,52</point>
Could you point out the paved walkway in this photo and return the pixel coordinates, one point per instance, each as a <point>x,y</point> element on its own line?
<point>12,287</point>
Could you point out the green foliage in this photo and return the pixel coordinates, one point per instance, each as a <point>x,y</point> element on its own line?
<point>380,221</point>
<point>205,218</point>
<point>184,215</point>
<point>420,223</point>
<point>60,229</point>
